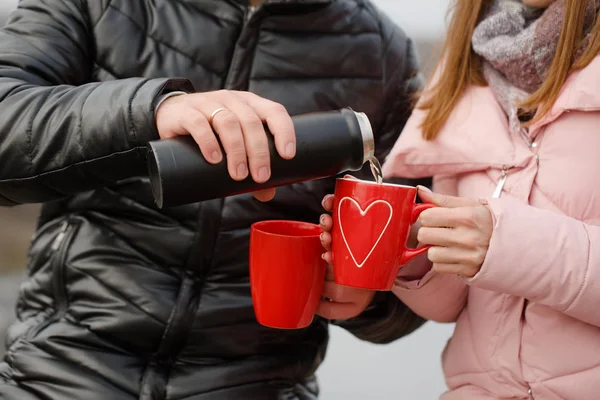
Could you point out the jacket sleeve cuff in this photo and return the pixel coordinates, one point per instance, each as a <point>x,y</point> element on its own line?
<point>144,104</point>
<point>545,257</point>
<point>434,296</point>
<point>415,274</point>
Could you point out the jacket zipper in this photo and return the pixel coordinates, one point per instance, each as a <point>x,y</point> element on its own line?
<point>251,10</point>
<point>60,237</point>
<point>533,145</point>
<point>500,185</point>
<point>524,132</point>
<point>59,249</point>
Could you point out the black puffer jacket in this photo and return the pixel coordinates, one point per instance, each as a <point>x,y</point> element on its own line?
<point>126,301</point>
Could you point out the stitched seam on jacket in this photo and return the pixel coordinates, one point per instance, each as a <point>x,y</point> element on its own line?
<point>133,131</point>
<point>107,70</point>
<point>24,54</point>
<point>563,375</point>
<point>29,132</point>
<point>43,174</point>
<point>102,14</point>
<point>119,294</point>
<point>547,197</point>
<point>45,26</point>
<point>83,14</point>
<point>149,36</point>
<point>495,357</point>
<point>80,123</point>
<point>80,366</point>
<point>19,86</point>
<point>587,270</point>
<point>220,18</point>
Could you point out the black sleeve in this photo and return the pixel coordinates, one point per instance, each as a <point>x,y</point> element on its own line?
<point>388,318</point>
<point>61,134</point>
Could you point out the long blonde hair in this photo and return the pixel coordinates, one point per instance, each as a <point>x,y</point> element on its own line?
<point>464,67</point>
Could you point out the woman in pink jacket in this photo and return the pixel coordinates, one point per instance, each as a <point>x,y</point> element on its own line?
<point>510,130</point>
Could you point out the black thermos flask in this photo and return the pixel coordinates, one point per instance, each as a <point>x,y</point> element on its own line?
<point>327,143</point>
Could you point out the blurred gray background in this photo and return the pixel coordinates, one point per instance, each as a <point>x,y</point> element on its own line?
<point>408,369</point>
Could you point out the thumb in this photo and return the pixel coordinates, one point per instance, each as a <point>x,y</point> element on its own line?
<point>264,195</point>
<point>442,200</point>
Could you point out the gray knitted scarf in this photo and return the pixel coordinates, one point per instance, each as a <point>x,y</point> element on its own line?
<point>518,44</point>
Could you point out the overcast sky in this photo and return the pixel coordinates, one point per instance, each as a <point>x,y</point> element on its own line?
<point>419,18</point>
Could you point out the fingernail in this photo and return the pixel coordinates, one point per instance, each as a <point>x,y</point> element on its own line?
<point>322,220</point>
<point>216,156</point>
<point>424,189</point>
<point>290,150</point>
<point>323,256</point>
<point>263,174</point>
<point>321,236</point>
<point>242,171</point>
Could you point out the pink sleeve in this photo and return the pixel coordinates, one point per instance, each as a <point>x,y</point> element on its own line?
<point>544,257</point>
<point>433,296</point>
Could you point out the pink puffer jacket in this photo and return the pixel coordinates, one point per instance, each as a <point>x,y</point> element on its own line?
<point>527,325</point>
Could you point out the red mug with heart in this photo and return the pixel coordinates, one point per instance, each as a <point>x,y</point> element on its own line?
<point>371,225</point>
<point>286,272</point>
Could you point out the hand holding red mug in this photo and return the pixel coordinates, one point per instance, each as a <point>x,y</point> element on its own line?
<point>458,231</point>
<point>326,223</point>
<point>371,229</point>
<point>341,302</point>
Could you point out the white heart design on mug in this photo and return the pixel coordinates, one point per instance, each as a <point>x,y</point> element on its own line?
<point>362,214</point>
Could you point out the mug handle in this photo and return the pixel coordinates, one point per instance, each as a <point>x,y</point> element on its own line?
<point>409,254</point>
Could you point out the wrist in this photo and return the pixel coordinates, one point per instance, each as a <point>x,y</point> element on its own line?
<point>161,99</point>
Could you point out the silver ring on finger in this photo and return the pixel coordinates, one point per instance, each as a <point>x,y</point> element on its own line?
<point>214,113</point>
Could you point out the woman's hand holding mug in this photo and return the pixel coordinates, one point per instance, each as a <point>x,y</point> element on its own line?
<point>368,238</point>
<point>459,233</point>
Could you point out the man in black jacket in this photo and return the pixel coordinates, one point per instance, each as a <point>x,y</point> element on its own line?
<point>127,301</point>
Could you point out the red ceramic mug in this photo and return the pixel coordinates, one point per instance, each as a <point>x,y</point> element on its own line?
<point>371,226</point>
<point>286,272</point>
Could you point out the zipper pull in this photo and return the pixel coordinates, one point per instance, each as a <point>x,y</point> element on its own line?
<point>249,12</point>
<point>60,237</point>
<point>500,185</point>
<point>525,135</point>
